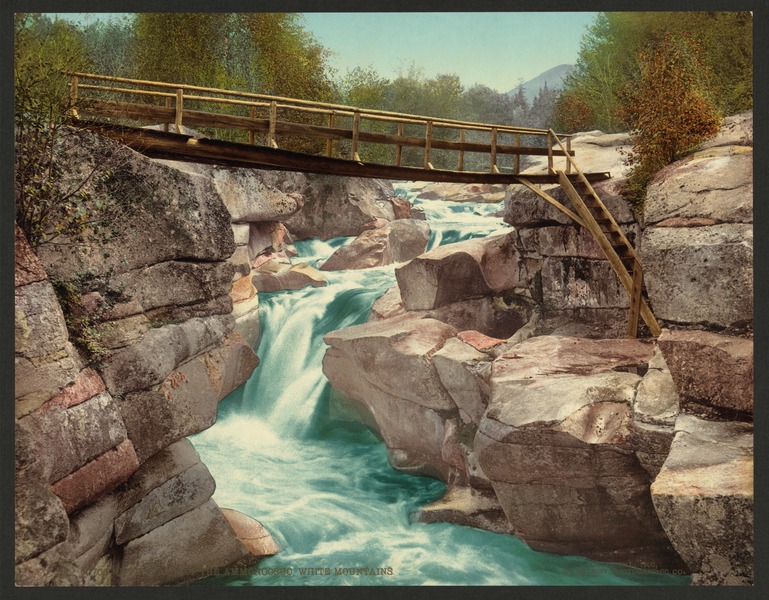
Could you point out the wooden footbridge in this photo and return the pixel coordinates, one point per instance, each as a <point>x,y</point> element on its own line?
<point>326,138</point>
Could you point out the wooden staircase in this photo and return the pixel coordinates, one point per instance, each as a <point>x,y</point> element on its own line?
<point>618,251</point>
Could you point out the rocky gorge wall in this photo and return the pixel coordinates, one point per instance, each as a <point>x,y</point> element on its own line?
<point>523,397</point>
<point>108,489</point>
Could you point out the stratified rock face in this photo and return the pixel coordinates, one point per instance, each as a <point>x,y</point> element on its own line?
<point>41,521</point>
<point>700,274</point>
<point>459,271</point>
<point>156,301</point>
<point>338,206</point>
<point>704,498</point>
<point>713,373</point>
<point>554,442</point>
<point>397,241</point>
<point>186,400</point>
<point>697,248</point>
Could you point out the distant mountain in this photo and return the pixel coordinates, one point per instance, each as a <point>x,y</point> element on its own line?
<point>553,77</point>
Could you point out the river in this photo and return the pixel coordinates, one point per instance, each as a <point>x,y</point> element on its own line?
<point>324,487</point>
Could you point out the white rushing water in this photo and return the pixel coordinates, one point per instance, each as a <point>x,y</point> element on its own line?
<point>324,488</point>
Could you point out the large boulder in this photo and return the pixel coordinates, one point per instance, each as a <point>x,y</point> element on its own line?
<point>369,363</point>
<point>273,276</point>
<point>248,194</point>
<point>714,184</point>
<point>457,192</point>
<point>396,242</point>
<point>338,206</point>
<point>704,498</point>
<point>199,543</point>
<point>454,272</point>
<point>713,373</point>
<point>655,410</point>
<point>700,274</point>
<point>169,214</point>
<point>554,442</point>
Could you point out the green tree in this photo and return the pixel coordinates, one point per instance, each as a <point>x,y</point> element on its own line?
<point>607,60</point>
<point>111,46</point>
<point>48,204</point>
<point>667,107</point>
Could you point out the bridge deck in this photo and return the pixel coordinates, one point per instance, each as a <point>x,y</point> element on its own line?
<point>174,146</point>
<point>394,145</point>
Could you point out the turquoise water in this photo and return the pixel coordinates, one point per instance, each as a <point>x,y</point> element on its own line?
<point>325,489</point>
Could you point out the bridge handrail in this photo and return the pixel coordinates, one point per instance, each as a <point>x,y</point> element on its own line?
<point>296,102</point>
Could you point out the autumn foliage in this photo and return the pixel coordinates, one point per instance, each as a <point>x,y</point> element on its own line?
<point>667,108</point>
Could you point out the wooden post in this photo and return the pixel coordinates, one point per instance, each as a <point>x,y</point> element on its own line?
<point>635,300</point>
<point>273,118</point>
<point>251,139</point>
<point>399,148</point>
<point>168,105</point>
<point>494,150</point>
<point>355,134</point>
<point>517,156</point>
<point>568,158</point>
<point>179,109</point>
<point>461,162</point>
<point>73,96</point>
<point>428,143</point>
<point>550,152</point>
<point>330,140</point>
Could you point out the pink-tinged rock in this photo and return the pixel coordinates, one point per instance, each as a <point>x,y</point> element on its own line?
<point>160,351</point>
<point>385,354</point>
<point>272,276</point>
<point>713,373</point>
<point>386,366</point>
<point>28,268</point>
<point>704,496</point>
<point>251,533</point>
<point>96,478</point>
<point>549,355</point>
<point>74,436</point>
<point>478,340</point>
<point>464,372</point>
<point>242,290</point>
<point>87,385</point>
<point>401,207</point>
<point>684,222</point>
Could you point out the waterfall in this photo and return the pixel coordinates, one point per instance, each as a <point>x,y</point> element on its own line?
<point>324,487</point>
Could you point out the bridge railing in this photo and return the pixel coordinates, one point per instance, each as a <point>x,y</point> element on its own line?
<point>326,128</point>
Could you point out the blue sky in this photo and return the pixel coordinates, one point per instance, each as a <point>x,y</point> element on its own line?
<point>497,49</point>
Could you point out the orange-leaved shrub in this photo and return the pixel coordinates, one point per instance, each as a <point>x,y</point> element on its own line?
<point>667,108</point>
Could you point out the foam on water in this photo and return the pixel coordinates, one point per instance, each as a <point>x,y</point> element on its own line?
<point>324,488</point>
